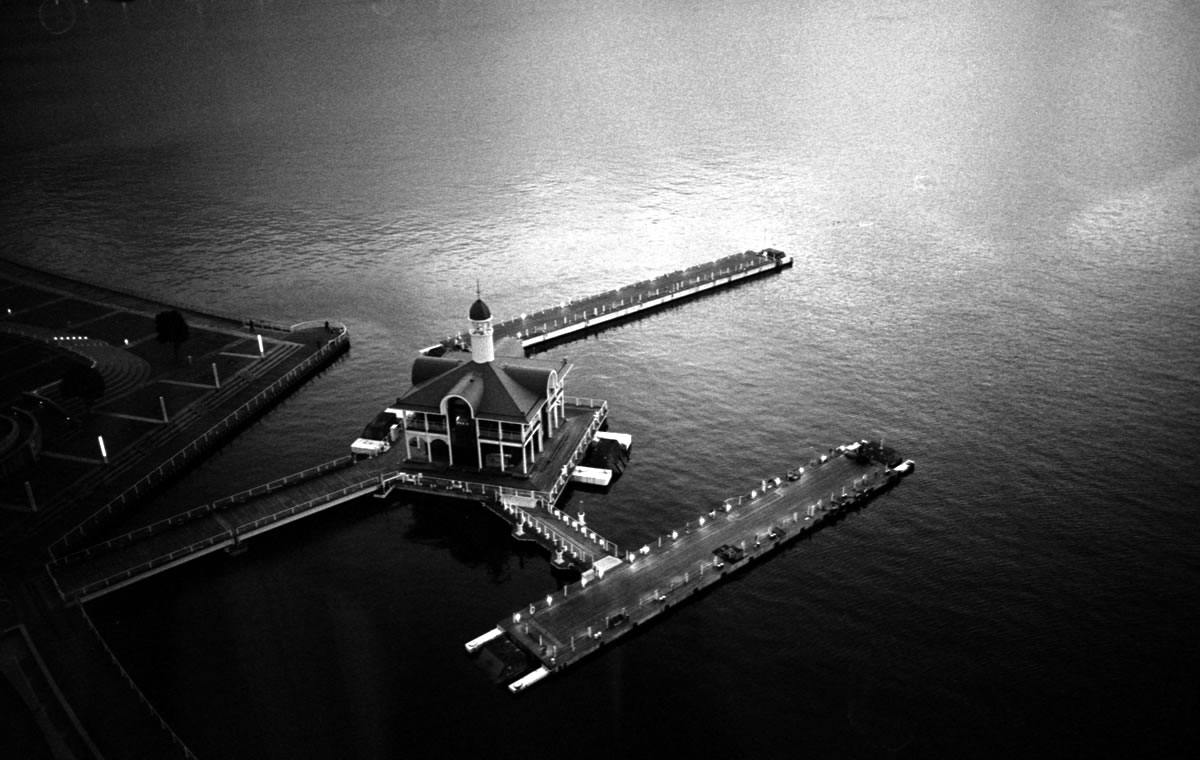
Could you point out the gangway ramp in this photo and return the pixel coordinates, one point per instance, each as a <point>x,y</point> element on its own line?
<point>126,559</point>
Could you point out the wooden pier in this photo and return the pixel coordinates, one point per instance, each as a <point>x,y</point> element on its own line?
<point>227,523</point>
<point>623,592</point>
<point>83,574</point>
<point>572,319</point>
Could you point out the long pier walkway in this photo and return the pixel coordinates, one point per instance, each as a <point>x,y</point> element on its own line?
<point>227,523</point>
<point>99,569</point>
<point>616,596</point>
<point>571,319</point>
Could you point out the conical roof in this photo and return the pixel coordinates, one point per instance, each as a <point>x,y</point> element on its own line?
<point>480,311</point>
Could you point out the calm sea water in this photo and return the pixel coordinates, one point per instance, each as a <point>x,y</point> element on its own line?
<point>995,215</point>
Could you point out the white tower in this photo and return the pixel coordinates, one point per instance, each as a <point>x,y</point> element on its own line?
<point>482,349</point>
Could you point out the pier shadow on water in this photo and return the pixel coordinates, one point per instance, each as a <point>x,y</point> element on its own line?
<point>473,536</point>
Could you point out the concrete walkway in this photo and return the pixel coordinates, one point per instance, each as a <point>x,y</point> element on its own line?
<point>217,384</point>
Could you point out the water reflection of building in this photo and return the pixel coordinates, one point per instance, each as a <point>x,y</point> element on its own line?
<point>482,412</point>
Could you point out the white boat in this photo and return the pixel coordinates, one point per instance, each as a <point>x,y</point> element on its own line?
<point>592,476</point>
<point>479,641</point>
<point>523,683</point>
<point>368,448</point>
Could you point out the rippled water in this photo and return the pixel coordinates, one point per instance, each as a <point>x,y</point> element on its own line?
<point>993,209</point>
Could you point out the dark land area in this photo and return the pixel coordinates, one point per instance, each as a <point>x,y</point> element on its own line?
<point>104,401</point>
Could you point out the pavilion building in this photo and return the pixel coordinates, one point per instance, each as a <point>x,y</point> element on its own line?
<point>482,412</point>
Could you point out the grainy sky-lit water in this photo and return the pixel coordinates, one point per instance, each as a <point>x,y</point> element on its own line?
<point>995,214</point>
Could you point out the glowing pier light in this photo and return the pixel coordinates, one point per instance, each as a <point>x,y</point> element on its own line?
<point>261,353</point>
<point>103,451</point>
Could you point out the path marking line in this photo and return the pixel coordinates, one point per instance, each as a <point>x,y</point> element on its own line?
<point>134,417</point>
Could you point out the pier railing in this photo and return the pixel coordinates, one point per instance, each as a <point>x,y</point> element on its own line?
<point>587,403</point>
<point>598,417</point>
<point>76,594</point>
<point>580,527</point>
<point>182,457</point>
<point>560,539</point>
<point>334,326</point>
<point>174,737</point>
<point>580,311</point>
<point>224,536</point>
<point>204,509</point>
<point>454,487</point>
<point>355,488</point>
<point>142,295</point>
<point>164,432</point>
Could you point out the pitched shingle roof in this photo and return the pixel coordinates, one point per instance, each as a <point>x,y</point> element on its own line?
<point>513,391</point>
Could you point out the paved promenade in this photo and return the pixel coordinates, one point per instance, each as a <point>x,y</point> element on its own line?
<point>162,407</point>
<point>162,410</point>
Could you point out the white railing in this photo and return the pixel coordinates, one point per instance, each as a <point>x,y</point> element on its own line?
<point>204,509</point>
<point>229,534</point>
<point>590,403</point>
<point>548,320</point>
<point>435,484</point>
<point>598,418</point>
<point>360,487</point>
<point>334,326</point>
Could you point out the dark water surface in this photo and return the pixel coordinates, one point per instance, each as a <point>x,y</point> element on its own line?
<point>995,214</point>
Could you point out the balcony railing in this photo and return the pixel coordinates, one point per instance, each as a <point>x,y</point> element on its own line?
<point>420,426</point>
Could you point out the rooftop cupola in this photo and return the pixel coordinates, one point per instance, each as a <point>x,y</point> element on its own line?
<point>482,349</point>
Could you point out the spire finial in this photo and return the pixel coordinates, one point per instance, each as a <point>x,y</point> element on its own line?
<point>478,292</point>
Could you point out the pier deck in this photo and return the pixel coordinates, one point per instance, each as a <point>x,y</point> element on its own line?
<point>571,319</point>
<point>565,626</point>
<point>223,524</point>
